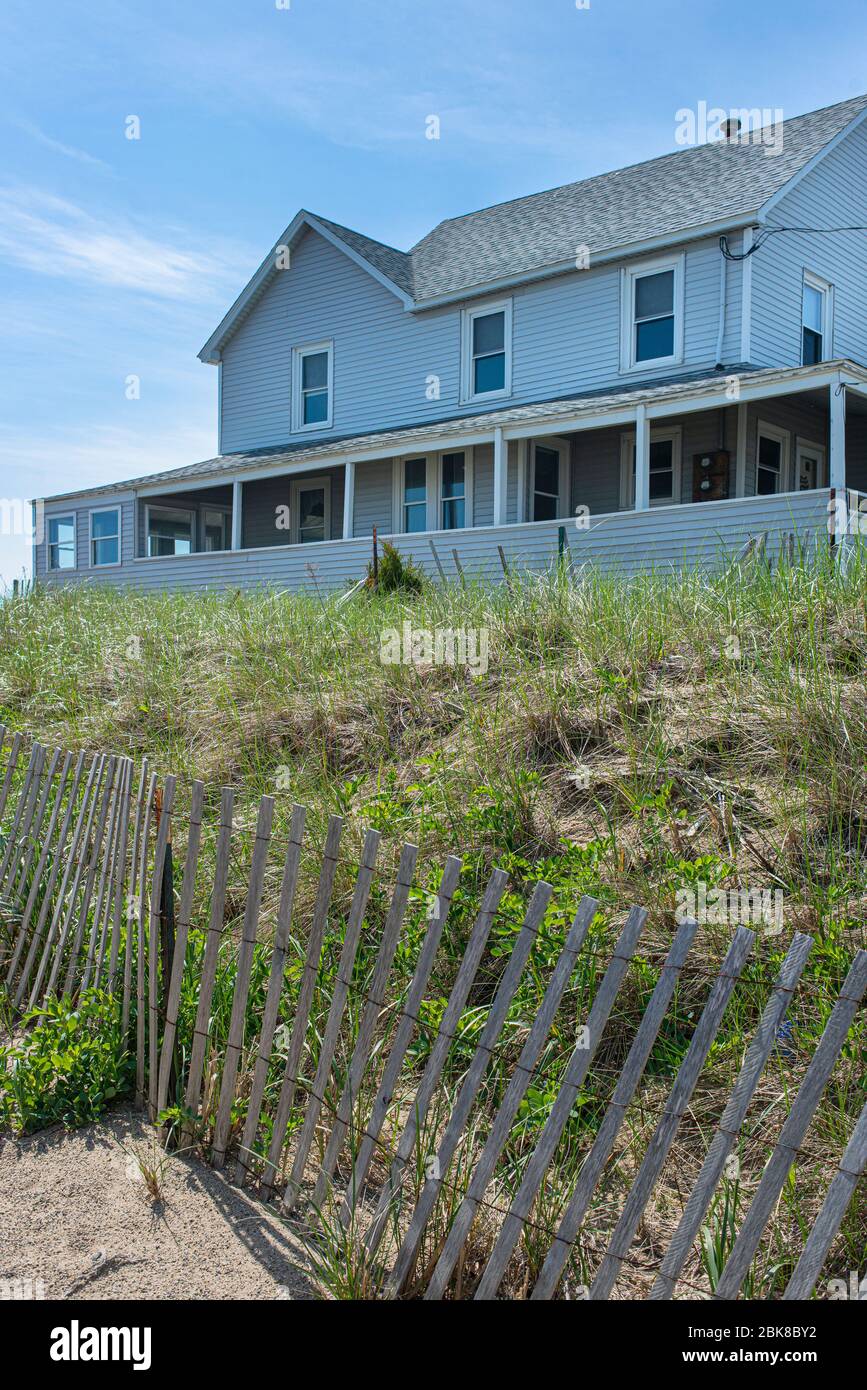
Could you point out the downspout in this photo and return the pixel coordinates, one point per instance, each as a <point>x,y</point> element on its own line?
<point>722,310</point>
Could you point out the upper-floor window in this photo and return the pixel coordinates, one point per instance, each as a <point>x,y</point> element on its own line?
<point>169,530</point>
<point>652,314</point>
<point>61,542</point>
<point>312,386</point>
<point>815,319</point>
<point>105,537</point>
<point>486,352</point>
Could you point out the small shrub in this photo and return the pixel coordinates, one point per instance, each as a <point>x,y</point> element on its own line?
<point>396,573</point>
<point>70,1064</point>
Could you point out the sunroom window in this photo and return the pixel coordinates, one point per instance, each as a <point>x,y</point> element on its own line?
<point>61,542</point>
<point>170,531</point>
<point>105,537</point>
<point>214,526</point>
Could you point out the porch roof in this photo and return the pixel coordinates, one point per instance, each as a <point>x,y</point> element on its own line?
<point>696,391</point>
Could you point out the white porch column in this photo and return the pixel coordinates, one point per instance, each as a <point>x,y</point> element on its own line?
<point>642,460</point>
<point>837,435</point>
<point>501,475</point>
<point>523,451</point>
<point>348,501</point>
<point>237,496</point>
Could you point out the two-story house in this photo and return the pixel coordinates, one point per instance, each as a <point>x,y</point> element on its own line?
<point>660,361</point>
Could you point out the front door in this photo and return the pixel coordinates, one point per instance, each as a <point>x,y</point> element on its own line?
<point>311,510</point>
<point>809,466</point>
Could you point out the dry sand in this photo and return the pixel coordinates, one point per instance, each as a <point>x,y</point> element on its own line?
<point>75,1214</point>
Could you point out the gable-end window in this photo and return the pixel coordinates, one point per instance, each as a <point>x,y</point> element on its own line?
<point>665,453</point>
<point>772,460</point>
<point>61,542</point>
<point>454,500</point>
<point>105,537</point>
<point>815,320</point>
<point>549,479</point>
<point>652,314</point>
<point>169,531</point>
<point>486,351</point>
<point>312,386</point>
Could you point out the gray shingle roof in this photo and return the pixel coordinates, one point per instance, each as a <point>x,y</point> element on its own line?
<point>397,265</point>
<point>694,186</point>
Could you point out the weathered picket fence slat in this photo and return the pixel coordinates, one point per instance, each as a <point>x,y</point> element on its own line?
<point>86,899</point>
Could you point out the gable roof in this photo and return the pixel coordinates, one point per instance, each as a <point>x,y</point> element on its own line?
<point>722,184</point>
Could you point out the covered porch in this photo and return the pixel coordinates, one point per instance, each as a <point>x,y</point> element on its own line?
<point>677,474</point>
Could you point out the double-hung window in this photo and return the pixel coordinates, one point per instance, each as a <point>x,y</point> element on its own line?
<point>170,531</point>
<point>453,508</point>
<point>414,495</point>
<point>312,386</point>
<point>652,314</point>
<point>105,537</point>
<point>549,479</point>
<point>815,320</point>
<point>61,542</point>
<point>665,468</point>
<point>214,525</point>
<point>486,352</point>
<point>772,459</point>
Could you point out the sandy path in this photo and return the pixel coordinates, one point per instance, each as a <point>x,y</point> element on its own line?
<point>75,1214</point>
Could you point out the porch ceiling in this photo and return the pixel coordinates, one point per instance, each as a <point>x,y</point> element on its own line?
<point>661,399</point>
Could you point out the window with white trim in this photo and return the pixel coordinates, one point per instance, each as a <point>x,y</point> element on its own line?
<point>453,493</point>
<point>413,495</point>
<point>105,537</point>
<point>61,542</point>
<point>169,531</point>
<point>665,467</point>
<point>310,509</point>
<point>214,529</point>
<point>809,466</point>
<point>312,386</point>
<point>486,351</point>
<point>815,319</point>
<point>652,314</point>
<point>549,479</point>
<point>772,459</point>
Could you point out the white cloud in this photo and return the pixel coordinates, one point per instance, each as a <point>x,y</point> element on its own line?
<point>54,237</point>
<point>69,151</point>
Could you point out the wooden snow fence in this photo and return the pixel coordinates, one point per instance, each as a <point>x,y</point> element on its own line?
<point>340,1109</point>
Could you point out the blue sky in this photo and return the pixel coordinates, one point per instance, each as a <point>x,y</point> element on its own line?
<point>118,256</point>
